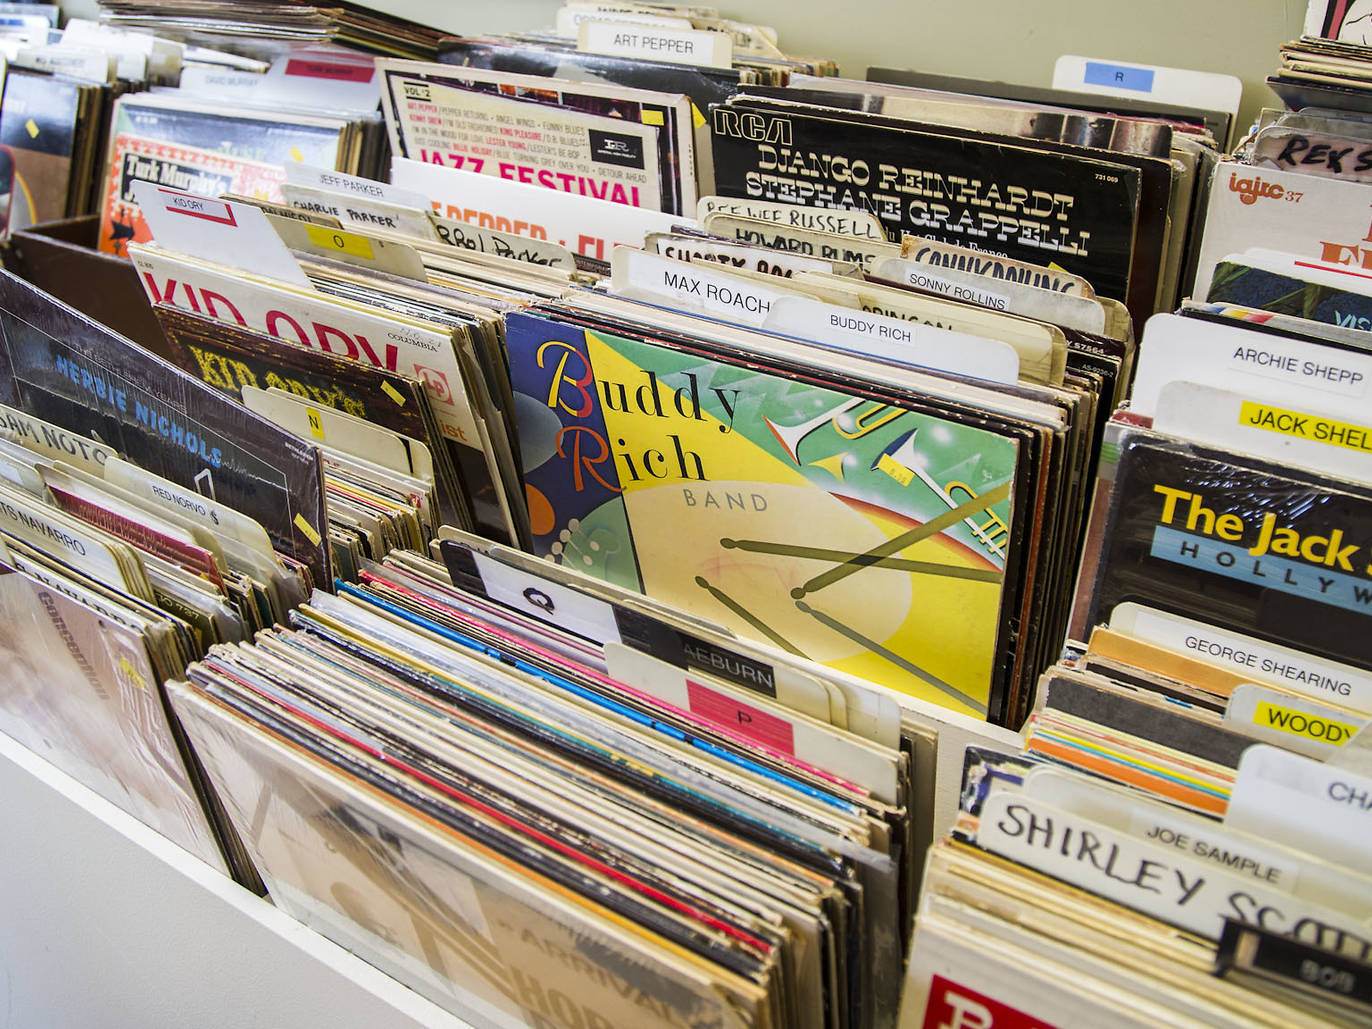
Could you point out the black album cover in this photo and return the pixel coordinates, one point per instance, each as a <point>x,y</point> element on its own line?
<point>60,366</point>
<point>1263,550</point>
<point>1032,206</point>
<point>229,358</point>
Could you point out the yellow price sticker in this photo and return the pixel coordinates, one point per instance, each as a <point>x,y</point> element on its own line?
<point>393,393</point>
<point>131,673</point>
<point>32,127</point>
<point>340,241</point>
<point>309,530</point>
<point>316,423</point>
<point>895,469</point>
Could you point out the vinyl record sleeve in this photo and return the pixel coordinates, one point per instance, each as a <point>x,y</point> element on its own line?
<point>272,137</point>
<point>80,690</point>
<point>1234,282</point>
<point>666,115</point>
<point>1261,549</point>
<point>1033,206</point>
<point>1159,203</point>
<point>229,358</point>
<point>1039,448</point>
<point>189,169</point>
<point>1315,219</point>
<point>556,147</point>
<point>205,150</point>
<point>769,505</point>
<point>451,920</point>
<point>39,123</point>
<point>64,368</point>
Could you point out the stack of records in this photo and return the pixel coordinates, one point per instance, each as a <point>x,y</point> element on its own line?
<point>875,518</point>
<point>265,28</point>
<point>234,132</point>
<point>58,89</point>
<point>522,820</point>
<point>1107,198</point>
<point>377,338</point>
<point>770,577</point>
<point>51,144</point>
<point>652,512</point>
<point>1330,66</point>
<point>144,519</point>
<point>1181,836</point>
<point>689,36</point>
<point>1284,245</point>
<point>705,85</point>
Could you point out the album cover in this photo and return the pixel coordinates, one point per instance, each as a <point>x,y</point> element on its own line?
<point>174,166</point>
<point>786,502</point>
<point>57,365</point>
<point>229,359</point>
<point>1263,290</point>
<point>1033,206</point>
<point>80,690</point>
<point>600,155</point>
<point>1264,550</point>
<point>271,137</point>
<point>39,122</point>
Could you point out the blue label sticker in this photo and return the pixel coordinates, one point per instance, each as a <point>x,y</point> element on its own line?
<point>1121,76</point>
<point>1298,578</point>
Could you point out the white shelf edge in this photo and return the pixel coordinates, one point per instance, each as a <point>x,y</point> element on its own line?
<point>81,936</point>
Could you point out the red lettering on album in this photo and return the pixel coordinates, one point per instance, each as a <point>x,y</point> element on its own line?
<point>1250,191</point>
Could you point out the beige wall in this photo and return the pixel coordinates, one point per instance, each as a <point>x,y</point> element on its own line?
<point>1015,40</point>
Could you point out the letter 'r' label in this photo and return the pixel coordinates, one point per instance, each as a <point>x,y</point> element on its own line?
<point>953,1006</point>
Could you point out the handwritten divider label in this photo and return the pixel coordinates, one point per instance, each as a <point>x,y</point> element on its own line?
<point>1160,881</point>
